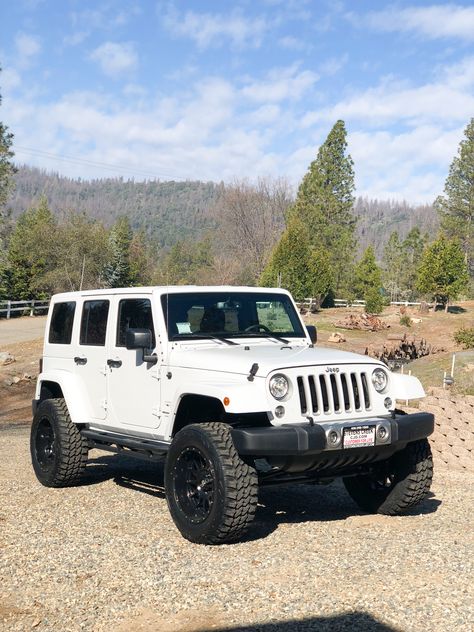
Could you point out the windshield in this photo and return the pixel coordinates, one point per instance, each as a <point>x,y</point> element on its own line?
<point>230,315</point>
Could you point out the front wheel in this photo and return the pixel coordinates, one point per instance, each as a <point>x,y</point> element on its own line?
<point>58,450</point>
<point>211,492</point>
<point>397,484</point>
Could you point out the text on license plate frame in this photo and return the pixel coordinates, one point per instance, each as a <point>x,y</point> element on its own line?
<point>359,437</point>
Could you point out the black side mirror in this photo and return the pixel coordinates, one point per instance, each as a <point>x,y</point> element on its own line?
<point>141,339</point>
<point>312,333</point>
<point>138,338</point>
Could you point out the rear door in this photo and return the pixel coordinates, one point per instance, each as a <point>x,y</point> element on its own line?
<point>90,358</point>
<point>133,385</point>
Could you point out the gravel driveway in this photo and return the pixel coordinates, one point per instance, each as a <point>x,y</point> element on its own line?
<point>106,556</point>
<point>21,329</point>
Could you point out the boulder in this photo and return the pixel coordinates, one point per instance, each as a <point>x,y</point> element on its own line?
<point>6,358</point>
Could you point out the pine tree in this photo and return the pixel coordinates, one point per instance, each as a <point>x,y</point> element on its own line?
<point>443,271</point>
<point>6,166</point>
<point>325,200</point>
<point>32,253</point>
<point>117,270</point>
<point>297,266</point>
<point>456,207</point>
<point>393,266</point>
<point>368,281</point>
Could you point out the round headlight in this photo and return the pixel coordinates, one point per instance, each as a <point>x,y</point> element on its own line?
<point>279,386</point>
<point>379,380</point>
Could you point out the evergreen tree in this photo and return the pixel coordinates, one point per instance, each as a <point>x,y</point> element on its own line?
<point>325,200</point>
<point>297,266</point>
<point>117,269</point>
<point>393,266</point>
<point>412,249</point>
<point>443,271</point>
<point>368,281</point>
<point>456,207</point>
<point>32,253</point>
<point>6,166</point>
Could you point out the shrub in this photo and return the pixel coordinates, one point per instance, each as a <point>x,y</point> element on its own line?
<point>373,302</point>
<point>465,337</point>
<point>405,320</point>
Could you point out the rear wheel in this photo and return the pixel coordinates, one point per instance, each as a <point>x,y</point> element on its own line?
<point>397,484</point>
<point>58,450</point>
<point>211,492</point>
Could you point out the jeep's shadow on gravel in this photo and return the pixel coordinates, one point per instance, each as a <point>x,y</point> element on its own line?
<point>228,390</point>
<point>290,504</point>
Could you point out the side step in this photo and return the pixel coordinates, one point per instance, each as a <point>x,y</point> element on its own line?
<point>149,449</point>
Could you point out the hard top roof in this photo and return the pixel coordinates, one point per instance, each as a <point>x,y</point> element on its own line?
<point>162,289</point>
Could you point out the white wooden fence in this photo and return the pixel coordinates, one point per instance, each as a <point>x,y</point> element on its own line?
<point>9,307</point>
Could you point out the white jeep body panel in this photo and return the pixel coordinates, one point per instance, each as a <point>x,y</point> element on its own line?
<point>143,399</point>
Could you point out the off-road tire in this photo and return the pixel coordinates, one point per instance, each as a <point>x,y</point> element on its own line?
<point>58,450</point>
<point>232,503</point>
<point>409,472</point>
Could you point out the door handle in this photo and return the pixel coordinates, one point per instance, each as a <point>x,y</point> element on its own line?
<point>80,360</point>
<point>114,364</point>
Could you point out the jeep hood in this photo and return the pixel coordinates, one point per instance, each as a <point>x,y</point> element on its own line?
<point>269,357</point>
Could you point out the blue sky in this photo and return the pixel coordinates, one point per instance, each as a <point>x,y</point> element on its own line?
<point>224,90</point>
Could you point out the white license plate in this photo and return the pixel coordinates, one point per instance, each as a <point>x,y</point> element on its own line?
<point>359,437</point>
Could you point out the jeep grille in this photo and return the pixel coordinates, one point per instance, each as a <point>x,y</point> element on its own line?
<point>333,393</point>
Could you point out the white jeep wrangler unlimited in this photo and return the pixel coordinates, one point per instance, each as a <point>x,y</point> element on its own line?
<point>227,383</point>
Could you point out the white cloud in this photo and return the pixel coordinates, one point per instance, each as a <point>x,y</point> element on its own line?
<point>214,29</point>
<point>295,43</point>
<point>448,99</point>
<point>281,84</point>
<point>434,21</point>
<point>9,80</point>
<point>411,165</point>
<point>114,58</point>
<point>27,47</point>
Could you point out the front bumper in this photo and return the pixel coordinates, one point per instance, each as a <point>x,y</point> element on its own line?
<point>289,440</point>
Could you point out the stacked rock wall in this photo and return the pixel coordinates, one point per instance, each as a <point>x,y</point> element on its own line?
<point>453,439</point>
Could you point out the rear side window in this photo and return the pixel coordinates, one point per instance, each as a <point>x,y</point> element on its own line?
<point>134,313</point>
<point>60,330</point>
<point>94,323</point>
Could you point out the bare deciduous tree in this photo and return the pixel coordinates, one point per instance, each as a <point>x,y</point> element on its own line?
<point>251,218</point>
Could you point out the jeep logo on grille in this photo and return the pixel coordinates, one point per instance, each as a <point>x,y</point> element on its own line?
<point>331,369</point>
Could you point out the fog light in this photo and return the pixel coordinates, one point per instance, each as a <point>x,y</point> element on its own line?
<point>387,402</point>
<point>383,434</point>
<point>279,411</point>
<point>333,438</point>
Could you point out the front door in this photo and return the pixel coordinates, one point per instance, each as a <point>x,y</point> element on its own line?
<point>133,385</point>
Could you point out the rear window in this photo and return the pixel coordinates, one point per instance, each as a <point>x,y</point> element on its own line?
<point>94,323</point>
<point>60,330</point>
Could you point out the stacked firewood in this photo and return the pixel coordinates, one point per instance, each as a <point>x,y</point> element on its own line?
<point>365,322</point>
<point>399,349</point>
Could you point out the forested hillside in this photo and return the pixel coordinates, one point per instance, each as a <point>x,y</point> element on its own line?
<point>172,211</point>
<point>165,211</point>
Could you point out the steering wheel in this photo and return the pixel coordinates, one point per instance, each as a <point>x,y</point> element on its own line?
<point>258,327</point>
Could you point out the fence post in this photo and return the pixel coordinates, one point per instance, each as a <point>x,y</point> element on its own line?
<point>9,307</point>
<point>32,310</point>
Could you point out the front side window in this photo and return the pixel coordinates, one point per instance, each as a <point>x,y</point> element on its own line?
<point>94,323</point>
<point>62,319</point>
<point>134,313</point>
<point>230,315</point>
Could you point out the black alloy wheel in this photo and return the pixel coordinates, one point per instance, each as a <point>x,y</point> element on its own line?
<point>211,492</point>
<point>44,444</point>
<point>194,484</point>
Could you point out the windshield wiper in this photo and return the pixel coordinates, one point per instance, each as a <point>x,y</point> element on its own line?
<point>199,334</point>
<point>264,334</point>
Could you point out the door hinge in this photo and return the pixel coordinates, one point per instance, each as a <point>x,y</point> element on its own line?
<point>104,404</point>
